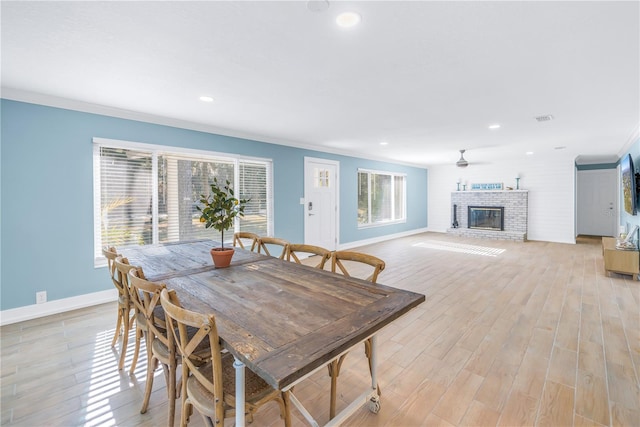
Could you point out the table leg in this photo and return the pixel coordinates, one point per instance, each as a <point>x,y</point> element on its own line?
<point>374,401</point>
<point>239,392</point>
<point>374,362</point>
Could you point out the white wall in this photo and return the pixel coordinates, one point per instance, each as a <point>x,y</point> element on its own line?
<point>551,185</point>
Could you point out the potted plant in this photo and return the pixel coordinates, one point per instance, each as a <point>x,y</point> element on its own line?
<point>218,210</point>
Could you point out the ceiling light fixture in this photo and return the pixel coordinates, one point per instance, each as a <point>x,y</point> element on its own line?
<point>529,153</point>
<point>544,118</point>
<point>462,163</point>
<point>494,127</point>
<point>206,99</point>
<point>348,19</point>
<point>384,143</point>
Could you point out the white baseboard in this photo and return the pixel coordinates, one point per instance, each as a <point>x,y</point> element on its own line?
<point>34,311</point>
<point>355,244</point>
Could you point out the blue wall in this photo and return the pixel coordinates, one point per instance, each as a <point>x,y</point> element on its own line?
<point>625,219</point>
<point>47,194</point>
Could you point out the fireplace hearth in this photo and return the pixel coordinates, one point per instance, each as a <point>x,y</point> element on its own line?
<point>486,217</point>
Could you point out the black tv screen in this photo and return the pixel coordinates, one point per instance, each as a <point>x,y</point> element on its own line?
<point>628,184</point>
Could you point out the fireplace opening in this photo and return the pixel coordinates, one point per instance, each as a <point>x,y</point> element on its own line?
<point>486,217</point>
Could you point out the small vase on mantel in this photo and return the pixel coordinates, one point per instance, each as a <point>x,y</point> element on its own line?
<point>222,257</point>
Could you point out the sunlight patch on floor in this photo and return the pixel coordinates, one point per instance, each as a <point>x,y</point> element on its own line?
<point>460,247</point>
<point>106,381</point>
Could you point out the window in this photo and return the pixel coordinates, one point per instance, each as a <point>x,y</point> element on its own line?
<point>146,194</point>
<point>381,198</point>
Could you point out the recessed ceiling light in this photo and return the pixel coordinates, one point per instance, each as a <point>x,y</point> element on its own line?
<point>528,153</point>
<point>206,99</point>
<point>348,19</point>
<point>494,127</point>
<point>384,143</point>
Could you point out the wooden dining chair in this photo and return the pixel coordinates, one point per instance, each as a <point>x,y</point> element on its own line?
<point>339,261</point>
<point>296,248</point>
<point>237,239</point>
<point>123,321</point>
<point>210,388</point>
<point>122,268</point>
<point>263,243</point>
<point>159,344</point>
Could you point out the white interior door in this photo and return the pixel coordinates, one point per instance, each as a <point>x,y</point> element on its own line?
<point>597,205</point>
<point>321,202</point>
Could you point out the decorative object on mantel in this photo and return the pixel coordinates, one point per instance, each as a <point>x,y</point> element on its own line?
<point>487,186</point>
<point>464,187</point>
<point>517,182</point>
<point>462,163</point>
<point>218,211</point>
<point>458,184</point>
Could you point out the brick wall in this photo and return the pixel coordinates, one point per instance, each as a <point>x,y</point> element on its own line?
<point>516,213</point>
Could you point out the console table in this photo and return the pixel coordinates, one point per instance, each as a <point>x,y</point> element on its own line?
<point>620,261</point>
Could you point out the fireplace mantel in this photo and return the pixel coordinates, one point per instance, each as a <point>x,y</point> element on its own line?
<point>516,213</point>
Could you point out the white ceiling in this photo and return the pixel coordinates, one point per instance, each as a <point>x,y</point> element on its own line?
<point>427,77</point>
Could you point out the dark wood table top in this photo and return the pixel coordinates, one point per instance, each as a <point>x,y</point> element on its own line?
<point>281,319</point>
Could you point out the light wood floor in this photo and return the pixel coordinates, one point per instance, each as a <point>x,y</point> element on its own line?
<point>510,334</point>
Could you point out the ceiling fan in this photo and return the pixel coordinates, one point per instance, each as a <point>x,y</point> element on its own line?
<point>462,163</point>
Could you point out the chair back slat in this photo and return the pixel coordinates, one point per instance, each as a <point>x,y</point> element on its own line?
<point>375,262</point>
<point>296,248</point>
<point>237,239</point>
<point>264,241</point>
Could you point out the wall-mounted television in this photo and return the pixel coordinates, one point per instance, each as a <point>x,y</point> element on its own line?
<point>628,184</point>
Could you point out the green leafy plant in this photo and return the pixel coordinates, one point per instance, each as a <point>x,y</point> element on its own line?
<point>220,207</point>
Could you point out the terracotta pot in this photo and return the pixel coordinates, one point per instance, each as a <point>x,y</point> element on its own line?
<point>222,257</point>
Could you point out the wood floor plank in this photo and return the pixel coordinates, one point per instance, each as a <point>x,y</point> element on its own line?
<point>479,414</point>
<point>591,397</point>
<point>520,410</point>
<point>556,406</point>
<point>453,404</point>
<point>562,368</point>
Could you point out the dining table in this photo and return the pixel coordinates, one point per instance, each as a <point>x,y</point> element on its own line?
<point>282,320</point>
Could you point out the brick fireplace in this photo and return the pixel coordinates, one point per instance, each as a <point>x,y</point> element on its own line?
<point>515,209</point>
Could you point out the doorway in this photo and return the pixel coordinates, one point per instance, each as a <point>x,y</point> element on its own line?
<point>597,202</point>
<point>321,202</point>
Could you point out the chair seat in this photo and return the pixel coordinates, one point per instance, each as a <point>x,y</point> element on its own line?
<point>158,313</point>
<point>255,387</point>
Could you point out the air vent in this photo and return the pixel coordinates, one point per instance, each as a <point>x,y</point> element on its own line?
<point>544,118</point>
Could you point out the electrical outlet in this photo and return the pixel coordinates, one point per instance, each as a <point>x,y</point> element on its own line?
<point>41,297</point>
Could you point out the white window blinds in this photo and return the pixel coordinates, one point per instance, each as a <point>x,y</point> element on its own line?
<point>150,196</point>
<point>125,197</point>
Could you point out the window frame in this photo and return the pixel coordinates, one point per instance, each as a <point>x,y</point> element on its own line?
<point>392,176</point>
<point>155,151</point>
